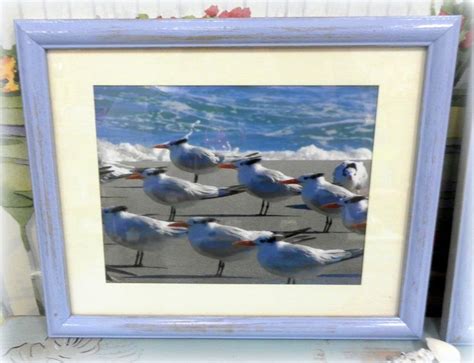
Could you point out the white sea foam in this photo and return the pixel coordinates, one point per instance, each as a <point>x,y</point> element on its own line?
<point>110,153</point>
<point>125,152</point>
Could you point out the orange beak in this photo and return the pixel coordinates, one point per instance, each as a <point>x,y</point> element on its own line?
<point>178,224</point>
<point>161,146</point>
<point>244,243</point>
<point>135,176</point>
<point>289,181</point>
<point>226,166</point>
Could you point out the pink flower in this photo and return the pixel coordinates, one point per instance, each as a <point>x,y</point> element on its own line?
<point>212,11</point>
<point>224,14</point>
<point>240,13</point>
<point>467,41</point>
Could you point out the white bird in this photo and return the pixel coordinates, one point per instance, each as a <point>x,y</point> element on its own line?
<point>352,175</point>
<point>295,261</point>
<point>137,232</point>
<point>354,214</point>
<point>190,158</point>
<point>176,192</point>
<point>262,182</point>
<point>216,241</point>
<point>321,196</point>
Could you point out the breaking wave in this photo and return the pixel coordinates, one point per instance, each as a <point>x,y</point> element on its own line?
<point>126,152</point>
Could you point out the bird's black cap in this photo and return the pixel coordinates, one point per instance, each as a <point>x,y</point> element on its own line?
<point>120,208</point>
<point>253,161</point>
<point>179,141</point>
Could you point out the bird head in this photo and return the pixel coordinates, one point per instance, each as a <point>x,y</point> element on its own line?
<point>350,171</point>
<point>303,179</point>
<point>114,210</point>
<point>260,241</point>
<point>195,221</point>
<point>143,173</point>
<point>170,144</point>
<point>247,160</point>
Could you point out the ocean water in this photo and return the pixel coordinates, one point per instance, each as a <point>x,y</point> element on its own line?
<point>304,122</point>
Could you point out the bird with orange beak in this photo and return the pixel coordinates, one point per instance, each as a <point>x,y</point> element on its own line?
<point>295,261</point>
<point>214,240</point>
<point>262,182</point>
<point>177,192</point>
<point>193,159</point>
<point>321,196</point>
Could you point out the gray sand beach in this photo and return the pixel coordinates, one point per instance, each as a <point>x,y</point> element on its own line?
<point>179,263</point>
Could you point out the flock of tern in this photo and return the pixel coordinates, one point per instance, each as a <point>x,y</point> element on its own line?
<point>277,252</point>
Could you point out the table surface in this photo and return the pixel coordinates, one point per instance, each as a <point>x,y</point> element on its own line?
<point>24,340</point>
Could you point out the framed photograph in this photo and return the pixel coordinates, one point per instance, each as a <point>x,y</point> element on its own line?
<point>457,323</point>
<point>264,178</point>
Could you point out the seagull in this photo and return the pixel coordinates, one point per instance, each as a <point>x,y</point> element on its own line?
<point>354,214</point>
<point>262,182</point>
<point>321,196</point>
<point>211,239</point>
<point>295,261</point>
<point>176,192</point>
<point>352,175</point>
<point>137,232</point>
<point>190,158</point>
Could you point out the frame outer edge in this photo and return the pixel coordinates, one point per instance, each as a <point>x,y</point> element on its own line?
<point>41,153</point>
<point>257,32</point>
<point>439,77</point>
<point>439,33</point>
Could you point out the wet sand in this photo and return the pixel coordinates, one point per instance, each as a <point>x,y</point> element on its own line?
<point>179,263</point>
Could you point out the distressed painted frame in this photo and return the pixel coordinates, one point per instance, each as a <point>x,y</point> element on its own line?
<point>457,321</point>
<point>438,34</point>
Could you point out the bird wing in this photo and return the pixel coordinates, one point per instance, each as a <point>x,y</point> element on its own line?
<point>328,257</point>
<point>296,256</point>
<point>150,227</point>
<point>203,154</point>
<point>336,190</point>
<point>190,190</point>
<point>271,175</point>
<point>111,172</point>
<point>229,233</point>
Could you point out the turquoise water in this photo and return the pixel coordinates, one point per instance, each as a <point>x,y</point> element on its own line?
<point>244,117</point>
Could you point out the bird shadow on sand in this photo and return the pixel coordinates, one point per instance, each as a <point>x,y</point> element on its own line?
<point>132,266</point>
<point>130,187</point>
<point>298,206</point>
<point>222,215</point>
<point>186,277</point>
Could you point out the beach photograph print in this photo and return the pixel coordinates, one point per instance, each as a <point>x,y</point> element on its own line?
<point>235,184</point>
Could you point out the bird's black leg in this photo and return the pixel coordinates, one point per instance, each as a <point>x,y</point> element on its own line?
<point>137,257</point>
<point>294,281</point>
<point>196,177</point>
<point>172,214</point>
<point>288,281</point>
<point>329,225</point>
<point>266,209</point>
<point>261,208</point>
<point>140,261</point>
<point>325,229</point>
<point>222,268</point>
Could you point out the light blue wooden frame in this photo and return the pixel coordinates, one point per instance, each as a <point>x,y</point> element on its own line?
<point>438,34</point>
<point>457,321</point>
